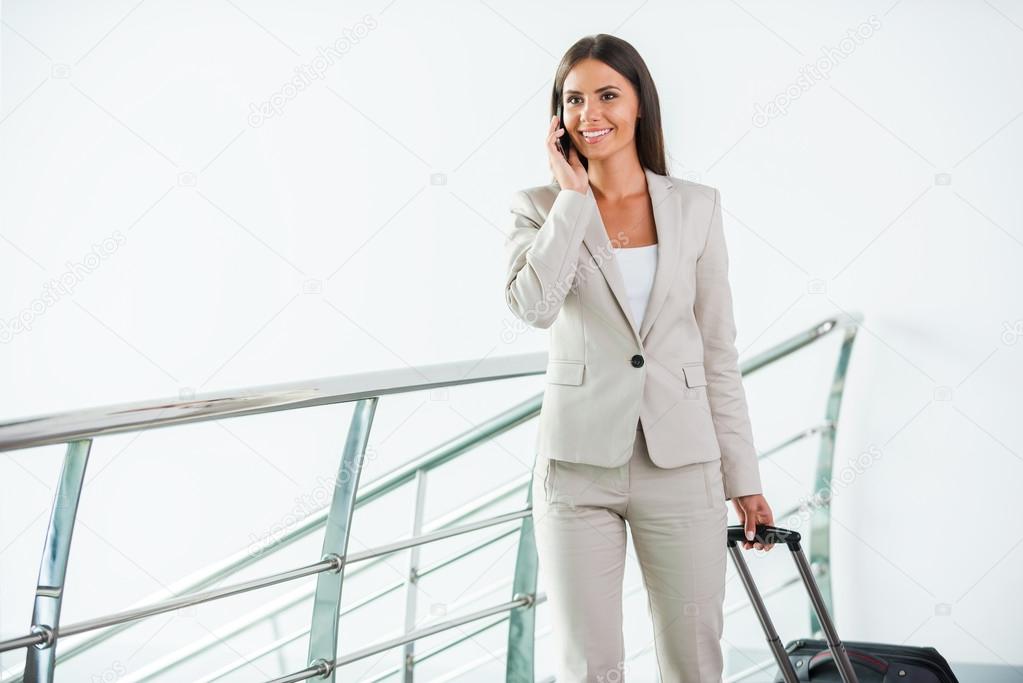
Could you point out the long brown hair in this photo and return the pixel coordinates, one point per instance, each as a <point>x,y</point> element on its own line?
<point>623,58</point>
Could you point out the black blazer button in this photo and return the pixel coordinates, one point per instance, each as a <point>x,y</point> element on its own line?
<point>637,361</point>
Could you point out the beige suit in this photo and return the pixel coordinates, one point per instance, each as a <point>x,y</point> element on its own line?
<point>677,374</point>
<point>646,426</point>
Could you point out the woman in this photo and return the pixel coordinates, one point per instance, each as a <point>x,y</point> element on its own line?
<point>644,418</point>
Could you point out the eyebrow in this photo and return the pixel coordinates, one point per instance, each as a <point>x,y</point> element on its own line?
<point>600,89</point>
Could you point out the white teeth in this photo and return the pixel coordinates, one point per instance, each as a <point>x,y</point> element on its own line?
<point>595,133</point>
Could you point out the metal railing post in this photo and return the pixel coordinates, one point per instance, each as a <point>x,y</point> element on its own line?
<point>519,666</point>
<point>820,516</point>
<point>39,659</point>
<point>412,579</point>
<point>323,633</point>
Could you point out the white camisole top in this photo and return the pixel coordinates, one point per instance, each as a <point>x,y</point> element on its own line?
<point>637,265</point>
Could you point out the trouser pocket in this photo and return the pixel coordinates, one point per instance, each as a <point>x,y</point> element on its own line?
<point>713,483</point>
<point>548,479</point>
<point>542,473</point>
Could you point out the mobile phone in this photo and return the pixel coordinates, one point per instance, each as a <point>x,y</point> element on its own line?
<point>564,142</point>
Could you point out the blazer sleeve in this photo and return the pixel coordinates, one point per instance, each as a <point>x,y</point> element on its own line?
<point>716,320</point>
<point>542,259</point>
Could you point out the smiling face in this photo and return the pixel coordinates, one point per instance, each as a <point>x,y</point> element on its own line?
<point>601,108</point>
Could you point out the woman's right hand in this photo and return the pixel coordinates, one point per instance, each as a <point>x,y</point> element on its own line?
<point>570,174</point>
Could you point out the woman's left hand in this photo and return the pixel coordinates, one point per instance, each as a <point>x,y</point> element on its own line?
<point>753,510</point>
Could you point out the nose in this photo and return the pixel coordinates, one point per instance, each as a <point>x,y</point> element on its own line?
<point>590,112</point>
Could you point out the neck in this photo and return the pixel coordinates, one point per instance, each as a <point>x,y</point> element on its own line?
<point>617,178</point>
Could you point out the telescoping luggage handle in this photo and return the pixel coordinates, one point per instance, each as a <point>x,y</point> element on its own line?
<point>772,534</point>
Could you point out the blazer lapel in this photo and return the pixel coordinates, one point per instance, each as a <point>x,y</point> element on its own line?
<point>667,205</point>
<point>599,245</point>
<point>664,199</point>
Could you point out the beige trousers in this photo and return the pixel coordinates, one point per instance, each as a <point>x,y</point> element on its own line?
<point>678,521</point>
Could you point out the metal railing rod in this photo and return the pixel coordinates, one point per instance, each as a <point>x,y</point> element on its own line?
<point>436,536</point>
<point>796,438</point>
<point>188,600</point>
<point>304,675</point>
<point>799,340</point>
<point>22,641</point>
<point>394,670</point>
<point>398,583</point>
<point>54,428</point>
<point>262,651</point>
<point>382,646</point>
<point>546,630</point>
<point>379,593</point>
<point>453,448</point>
<point>471,507</point>
<point>217,637</point>
<point>469,599</point>
<point>430,630</point>
<point>457,673</point>
<point>440,649</point>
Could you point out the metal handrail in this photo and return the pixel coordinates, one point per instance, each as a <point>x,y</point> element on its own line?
<point>78,427</point>
<point>73,425</point>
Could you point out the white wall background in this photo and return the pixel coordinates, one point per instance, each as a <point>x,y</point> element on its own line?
<point>360,226</point>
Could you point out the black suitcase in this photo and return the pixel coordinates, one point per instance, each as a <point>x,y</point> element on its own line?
<point>831,660</point>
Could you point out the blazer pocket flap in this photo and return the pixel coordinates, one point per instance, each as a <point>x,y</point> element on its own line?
<point>565,371</point>
<point>694,375</point>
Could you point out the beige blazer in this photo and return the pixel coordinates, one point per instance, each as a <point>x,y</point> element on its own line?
<point>678,373</point>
